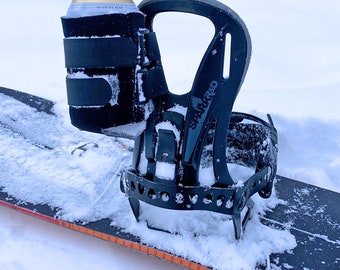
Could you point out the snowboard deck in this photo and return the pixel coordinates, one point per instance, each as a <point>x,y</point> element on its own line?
<point>309,212</point>
<point>313,217</point>
<point>38,103</point>
<point>101,229</point>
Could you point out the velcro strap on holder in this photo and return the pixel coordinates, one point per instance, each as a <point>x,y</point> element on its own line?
<point>88,91</point>
<point>100,52</point>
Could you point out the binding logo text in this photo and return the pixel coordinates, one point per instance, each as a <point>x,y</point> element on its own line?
<point>201,105</point>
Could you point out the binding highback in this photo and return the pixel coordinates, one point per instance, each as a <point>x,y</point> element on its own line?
<point>187,132</point>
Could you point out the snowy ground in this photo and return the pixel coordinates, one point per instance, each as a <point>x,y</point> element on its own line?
<point>294,75</point>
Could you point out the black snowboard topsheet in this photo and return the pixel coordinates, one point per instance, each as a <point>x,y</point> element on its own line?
<point>40,104</point>
<point>313,217</point>
<point>309,212</point>
<point>310,215</point>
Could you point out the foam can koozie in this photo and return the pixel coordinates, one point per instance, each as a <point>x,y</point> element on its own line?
<point>101,48</point>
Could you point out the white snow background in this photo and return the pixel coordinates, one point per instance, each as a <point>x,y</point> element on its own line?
<point>294,75</point>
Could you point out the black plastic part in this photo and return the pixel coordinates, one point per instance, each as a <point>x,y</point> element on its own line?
<point>152,45</point>
<point>166,146</point>
<point>135,206</point>
<point>219,200</point>
<point>154,83</point>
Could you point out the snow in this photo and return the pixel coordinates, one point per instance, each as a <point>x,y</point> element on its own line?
<point>294,75</point>
<point>166,125</point>
<point>165,171</point>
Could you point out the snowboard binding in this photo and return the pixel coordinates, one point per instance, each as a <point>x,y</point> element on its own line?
<point>184,135</point>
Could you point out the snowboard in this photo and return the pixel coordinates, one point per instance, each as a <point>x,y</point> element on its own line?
<point>308,212</point>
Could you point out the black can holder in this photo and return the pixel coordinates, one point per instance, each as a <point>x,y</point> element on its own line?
<point>101,57</point>
<point>182,133</point>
